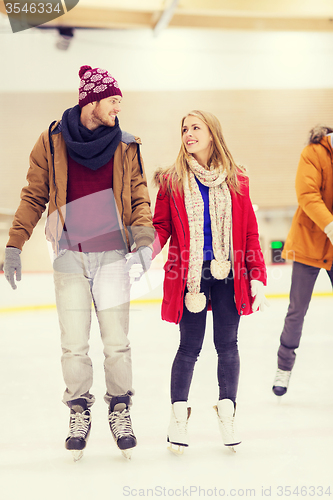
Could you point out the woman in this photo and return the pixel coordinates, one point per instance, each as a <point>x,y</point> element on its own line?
<point>214,261</point>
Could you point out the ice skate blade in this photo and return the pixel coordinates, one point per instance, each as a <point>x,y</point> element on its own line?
<point>232,447</point>
<point>176,449</point>
<point>127,453</point>
<point>77,455</point>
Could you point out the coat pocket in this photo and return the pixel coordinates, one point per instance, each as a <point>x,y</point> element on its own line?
<point>310,240</point>
<point>171,281</point>
<point>305,221</point>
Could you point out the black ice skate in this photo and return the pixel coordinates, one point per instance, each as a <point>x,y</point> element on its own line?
<point>79,428</point>
<point>121,425</point>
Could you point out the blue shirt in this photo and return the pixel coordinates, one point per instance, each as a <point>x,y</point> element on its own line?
<point>208,253</point>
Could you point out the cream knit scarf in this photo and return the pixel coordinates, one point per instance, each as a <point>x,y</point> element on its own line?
<point>220,217</point>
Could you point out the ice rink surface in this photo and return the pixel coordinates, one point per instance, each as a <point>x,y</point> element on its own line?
<point>287,443</point>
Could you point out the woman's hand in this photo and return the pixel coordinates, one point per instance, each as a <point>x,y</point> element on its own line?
<point>257,291</point>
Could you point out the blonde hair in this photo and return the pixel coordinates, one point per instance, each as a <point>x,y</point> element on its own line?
<point>220,155</point>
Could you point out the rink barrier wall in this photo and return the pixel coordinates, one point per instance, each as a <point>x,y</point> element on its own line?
<point>42,307</point>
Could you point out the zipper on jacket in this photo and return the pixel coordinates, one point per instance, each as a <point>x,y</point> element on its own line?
<point>55,194</point>
<point>174,202</point>
<point>139,158</point>
<point>121,197</point>
<point>54,181</point>
<point>52,156</point>
<point>183,277</point>
<point>122,187</point>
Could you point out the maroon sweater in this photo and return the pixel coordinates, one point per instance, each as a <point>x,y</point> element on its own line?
<point>92,224</point>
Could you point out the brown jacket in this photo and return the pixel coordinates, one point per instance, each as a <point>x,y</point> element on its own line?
<point>47,183</point>
<point>306,242</point>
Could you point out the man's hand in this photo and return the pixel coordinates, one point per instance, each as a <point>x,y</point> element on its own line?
<point>12,265</point>
<point>138,263</point>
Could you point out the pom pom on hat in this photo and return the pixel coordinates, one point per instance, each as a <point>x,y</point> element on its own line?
<point>96,84</point>
<point>83,69</point>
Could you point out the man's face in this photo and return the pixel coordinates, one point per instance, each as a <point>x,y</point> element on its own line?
<point>106,110</point>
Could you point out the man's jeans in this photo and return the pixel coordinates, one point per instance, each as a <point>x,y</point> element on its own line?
<point>80,279</point>
<point>192,331</point>
<point>302,284</point>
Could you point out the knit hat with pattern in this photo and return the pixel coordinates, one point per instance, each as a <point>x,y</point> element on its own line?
<point>96,84</point>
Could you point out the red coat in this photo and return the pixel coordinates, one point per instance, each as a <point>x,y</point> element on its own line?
<point>170,220</point>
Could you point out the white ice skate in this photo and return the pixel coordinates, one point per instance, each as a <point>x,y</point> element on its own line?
<point>177,431</point>
<point>281,382</point>
<point>225,410</point>
<point>79,430</point>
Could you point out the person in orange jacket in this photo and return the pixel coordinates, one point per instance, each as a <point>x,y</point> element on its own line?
<point>203,206</point>
<point>309,243</point>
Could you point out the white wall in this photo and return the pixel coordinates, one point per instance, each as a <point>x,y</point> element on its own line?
<point>178,59</point>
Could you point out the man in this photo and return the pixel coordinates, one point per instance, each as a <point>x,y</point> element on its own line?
<point>91,175</point>
<point>309,243</point>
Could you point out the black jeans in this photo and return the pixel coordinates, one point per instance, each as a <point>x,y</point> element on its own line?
<point>192,332</point>
<point>302,283</point>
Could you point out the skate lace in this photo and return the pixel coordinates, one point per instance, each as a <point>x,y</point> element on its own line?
<point>79,424</point>
<point>282,378</point>
<point>228,424</point>
<point>120,423</point>
<point>181,426</point>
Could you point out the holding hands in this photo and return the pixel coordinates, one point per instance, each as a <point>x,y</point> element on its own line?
<point>138,263</point>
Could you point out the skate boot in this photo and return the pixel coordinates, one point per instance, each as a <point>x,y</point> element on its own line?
<point>121,425</point>
<point>177,431</point>
<point>225,410</point>
<point>79,428</point>
<point>281,382</point>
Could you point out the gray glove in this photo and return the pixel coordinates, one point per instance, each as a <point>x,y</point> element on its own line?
<point>11,265</point>
<point>138,263</point>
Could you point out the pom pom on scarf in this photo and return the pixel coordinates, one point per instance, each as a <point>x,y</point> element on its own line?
<point>195,302</point>
<point>220,270</point>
